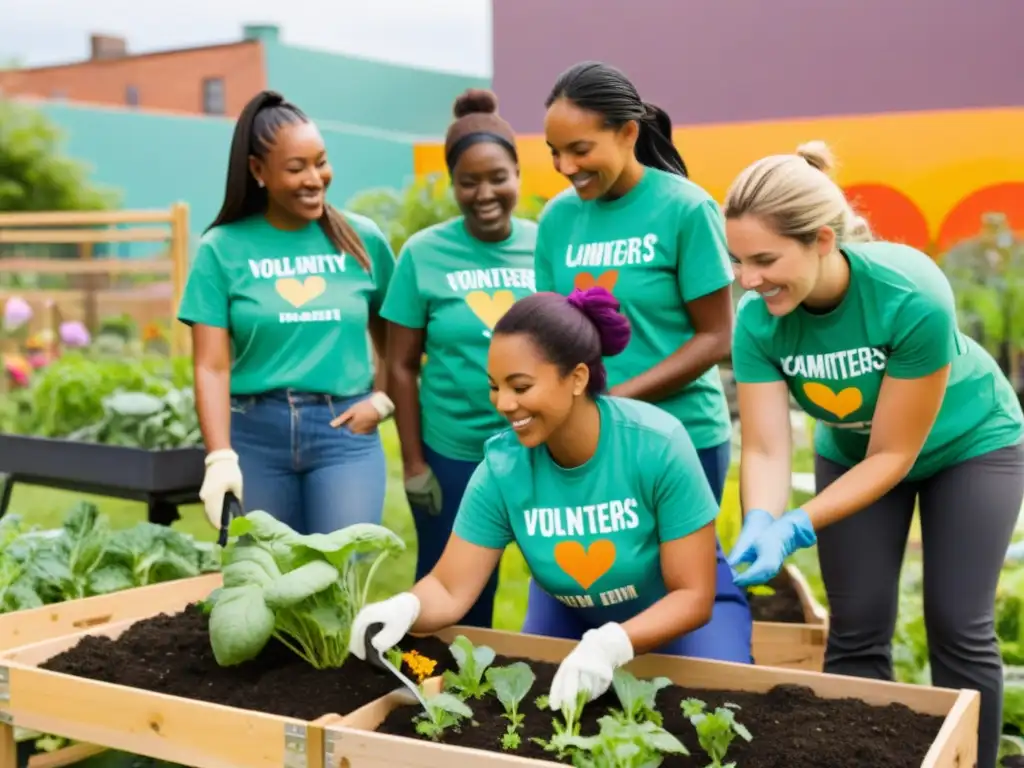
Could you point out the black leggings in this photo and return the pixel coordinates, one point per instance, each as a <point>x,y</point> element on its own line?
<point>968,513</point>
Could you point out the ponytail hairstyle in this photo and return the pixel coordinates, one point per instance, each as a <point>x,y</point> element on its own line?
<point>584,327</point>
<point>255,134</point>
<point>794,196</point>
<point>603,89</point>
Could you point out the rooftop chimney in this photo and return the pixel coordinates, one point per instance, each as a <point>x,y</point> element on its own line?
<point>267,33</point>
<point>104,47</point>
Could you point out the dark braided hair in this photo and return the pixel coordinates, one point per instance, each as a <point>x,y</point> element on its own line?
<point>603,89</point>
<point>255,133</point>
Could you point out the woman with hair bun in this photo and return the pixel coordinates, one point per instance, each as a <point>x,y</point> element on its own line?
<point>634,223</point>
<point>909,410</point>
<point>604,496</point>
<point>452,282</point>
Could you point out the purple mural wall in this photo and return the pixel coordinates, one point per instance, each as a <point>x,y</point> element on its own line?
<point>708,61</point>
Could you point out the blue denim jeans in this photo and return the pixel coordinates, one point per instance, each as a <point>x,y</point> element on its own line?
<point>433,531</point>
<point>727,637</point>
<point>298,468</point>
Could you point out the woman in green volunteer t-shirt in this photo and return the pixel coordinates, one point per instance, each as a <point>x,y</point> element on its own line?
<point>864,335</point>
<point>280,296</point>
<point>452,283</point>
<point>633,223</point>
<point>604,496</point>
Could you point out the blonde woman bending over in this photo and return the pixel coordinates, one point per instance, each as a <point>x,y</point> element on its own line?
<point>864,335</point>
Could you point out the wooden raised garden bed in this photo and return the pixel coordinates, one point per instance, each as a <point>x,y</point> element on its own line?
<point>150,686</point>
<point>796,718</point>
<point>791,626</point>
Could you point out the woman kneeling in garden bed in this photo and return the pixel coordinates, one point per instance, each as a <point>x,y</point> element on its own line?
<point>605,496</point>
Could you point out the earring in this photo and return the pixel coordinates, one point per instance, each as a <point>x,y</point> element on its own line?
<point>260,183</point>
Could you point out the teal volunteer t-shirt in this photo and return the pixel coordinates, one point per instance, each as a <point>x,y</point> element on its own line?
<point>456,288</point>
<point>657,247</point>
<point>591,535</point>
<point>898,317</point>
<point>297,310</point>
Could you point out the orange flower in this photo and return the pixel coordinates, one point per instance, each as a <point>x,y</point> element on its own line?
<point>421,666</point>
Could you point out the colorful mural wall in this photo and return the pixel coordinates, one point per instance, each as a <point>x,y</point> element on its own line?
<point>923,178</point>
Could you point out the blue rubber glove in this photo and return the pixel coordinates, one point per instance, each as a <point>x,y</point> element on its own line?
<point>770,548</point>
<point>754,523</point>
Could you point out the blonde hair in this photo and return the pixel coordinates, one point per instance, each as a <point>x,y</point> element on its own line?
<point>795,196</point>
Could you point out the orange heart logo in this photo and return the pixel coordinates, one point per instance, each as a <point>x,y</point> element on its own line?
<point>585,565</point>
<point>842,404</point>
<point>606,280</point>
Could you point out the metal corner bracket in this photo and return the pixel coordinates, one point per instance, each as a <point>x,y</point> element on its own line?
<point>295,746</point>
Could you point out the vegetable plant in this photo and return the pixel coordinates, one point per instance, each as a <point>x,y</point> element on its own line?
<point>566,730</point>
<point>637,697</point>
<point>510,685</point>
<point>715,730</point>
<point>625,744</point>
<point>444,711</point>
<point>303,590</point>
<point>472,661</point>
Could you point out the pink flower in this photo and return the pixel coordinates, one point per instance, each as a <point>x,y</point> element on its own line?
<point>17,312</point>
<point>74,334</point>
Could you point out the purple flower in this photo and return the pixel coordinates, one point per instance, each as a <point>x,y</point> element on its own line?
<point>74,334</point>
<point>17,312</point>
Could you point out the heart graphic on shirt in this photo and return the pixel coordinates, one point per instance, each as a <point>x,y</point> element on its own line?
<point>585,565</point>
<point>606,280</point>
<point>842,404</point>
<point>296,293</point>
<point>490,308</point>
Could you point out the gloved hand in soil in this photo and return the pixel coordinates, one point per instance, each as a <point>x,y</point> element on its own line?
<point>424,491</point>
<point>222,475</point>
<point>590,665</point>
<point>769,548</point>
<point>397,614</point>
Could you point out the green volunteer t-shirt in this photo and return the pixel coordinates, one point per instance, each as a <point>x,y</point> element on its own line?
<point>591,534</point>
<point>456,287</point>
<point>656,248</point>
<point>297,310</point>
<point>898,318</point>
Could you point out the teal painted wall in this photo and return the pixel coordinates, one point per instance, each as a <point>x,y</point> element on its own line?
<point>333,87</point>
<point>157,159</point>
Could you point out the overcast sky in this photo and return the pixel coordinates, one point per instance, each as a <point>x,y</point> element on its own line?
<point>453,35</point>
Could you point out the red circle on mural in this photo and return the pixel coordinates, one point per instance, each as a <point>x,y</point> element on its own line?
<point>892,215</point>
<point>964,221</point>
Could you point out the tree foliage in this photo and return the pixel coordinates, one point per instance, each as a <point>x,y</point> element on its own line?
<point>35,175</point>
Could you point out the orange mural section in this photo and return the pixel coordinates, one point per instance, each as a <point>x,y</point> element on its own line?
<point>923,178</point>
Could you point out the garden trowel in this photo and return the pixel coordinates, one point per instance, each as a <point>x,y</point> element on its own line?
<point>410,693</point>
<point>232,508</point>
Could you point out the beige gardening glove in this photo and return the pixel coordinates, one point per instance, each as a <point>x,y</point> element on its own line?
<point>222,475</point>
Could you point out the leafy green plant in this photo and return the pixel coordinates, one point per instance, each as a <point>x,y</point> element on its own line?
<point>472,661</point>
<point>303,590</point>
<point>715,730</point>
<point>141,420</point>
<point>637,696</point>
<point>625,744</point>
<point>444,711</point>
<point>510,685</point>
<point>564,731</point>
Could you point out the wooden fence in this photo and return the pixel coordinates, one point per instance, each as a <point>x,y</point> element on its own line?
<point>85,229</point>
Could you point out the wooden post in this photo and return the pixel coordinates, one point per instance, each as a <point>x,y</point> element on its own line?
<point>180,258</point>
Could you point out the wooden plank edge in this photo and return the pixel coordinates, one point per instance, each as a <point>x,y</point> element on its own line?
<point>956,746</point>
<point>814,612</point>
<point>65,756</point>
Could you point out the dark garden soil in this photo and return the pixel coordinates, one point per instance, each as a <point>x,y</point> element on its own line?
<point>783,606</point>
<point>791,727</point>
<point>171,654</point>
<point>1014,761</point>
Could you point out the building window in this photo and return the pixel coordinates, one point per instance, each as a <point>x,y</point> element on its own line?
<point>131,96</point>
<point>213,95</point>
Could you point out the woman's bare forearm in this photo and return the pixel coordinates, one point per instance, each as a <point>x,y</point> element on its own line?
<point>213,406</point>
<point>765,480</point>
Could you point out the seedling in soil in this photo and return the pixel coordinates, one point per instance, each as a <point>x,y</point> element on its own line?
<point>761,590</point>
<point>472,661</point>
<point>716,730</point>
<point>444,711</point>
<point>637,697</point>
<point>511,684</point>
<point>566,730</point>
<point>624,744</point>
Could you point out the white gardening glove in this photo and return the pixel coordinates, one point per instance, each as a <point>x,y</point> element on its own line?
<point>222,475</point>
<point>397,614</point>
<point>590,665</point>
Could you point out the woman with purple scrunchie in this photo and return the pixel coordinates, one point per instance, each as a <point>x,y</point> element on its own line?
<point>605,497</point>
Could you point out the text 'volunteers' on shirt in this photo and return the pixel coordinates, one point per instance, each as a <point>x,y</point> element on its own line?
<point>898,318</point>
<point>456,288</point>
<point>297,310</point>
<point>657,247</point>
<point>591,535</point>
